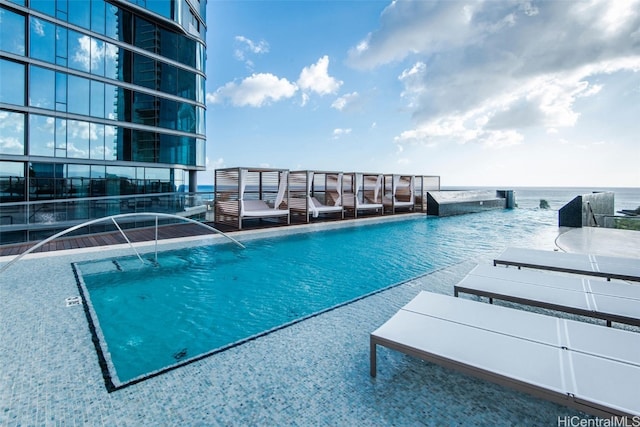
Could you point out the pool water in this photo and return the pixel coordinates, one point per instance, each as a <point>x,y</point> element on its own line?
<point>199,300</point>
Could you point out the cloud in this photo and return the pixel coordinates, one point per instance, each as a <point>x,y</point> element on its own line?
<point>338,132</point>
<point>90,52</point>
<point>316,78</point>
<point>37,26</point>
<point>347,102</point>
<point>246,46</point>
<point>216,164</point>
<point>262,89</point>
<point>256,90</point>
<point>521,64</point>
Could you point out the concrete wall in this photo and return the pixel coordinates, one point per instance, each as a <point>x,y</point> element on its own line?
<point>587,210</point>
<point>447,203</point>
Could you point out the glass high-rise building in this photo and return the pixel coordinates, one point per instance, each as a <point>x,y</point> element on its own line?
<point>100,97</point>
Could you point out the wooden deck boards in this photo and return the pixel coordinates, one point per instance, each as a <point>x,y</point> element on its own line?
<point>111,238</point>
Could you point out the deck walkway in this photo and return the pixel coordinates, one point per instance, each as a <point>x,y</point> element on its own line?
<point>109,238</point>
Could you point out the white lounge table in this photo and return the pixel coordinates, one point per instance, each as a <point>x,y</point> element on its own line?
<point>610,301</point>
<point>590,265</point>
<point>589,367</point>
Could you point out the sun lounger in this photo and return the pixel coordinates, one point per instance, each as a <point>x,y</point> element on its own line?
<point>306,187</point>
<point>363,192</point>
<point>610,301</point>
<point>590,265</point>
<point>399,192</point>
<point>589,367</point>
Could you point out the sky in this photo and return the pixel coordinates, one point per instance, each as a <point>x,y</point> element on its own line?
<point>481,93</point>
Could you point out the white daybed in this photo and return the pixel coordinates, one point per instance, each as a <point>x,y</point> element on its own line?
<point>590,367</point>
<point>591,265</point>
<point>610,301</point>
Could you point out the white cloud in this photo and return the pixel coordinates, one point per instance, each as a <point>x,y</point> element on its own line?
<point>216,164</point>
<point>413,80</point>
<point>256,90</point>
<point>262,89</point>
<point>38,27</point>
<point>90,52</point>
<point>338,132</point>
<point>519,64</point>
<point>346,102</point>
<point>316,78</point>
<point>245,46</point>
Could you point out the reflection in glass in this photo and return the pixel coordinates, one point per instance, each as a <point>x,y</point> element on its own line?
<point>42,40</point>
<point>110,61</point>
<point>96,142</point>
<point>201,152</point>
<point>42,88</point>
<point>61,134</point>
<point>98,16</point>
<point>79,179</point>
<point>12,72</point>
<point>144,109</point>
<point>78,135</point>
<point>111,21</point>
<point>61,92</point>
<point>161,7</point>
<point>146,35</point>
<point>45,181</point>
<point>61,46</point>
<point>44,6</point>
<point>110,141</point>
<point>201,123</point>
<point>80,46</point>
<point>12,182</point>
<point>78,95</point>
<point>144,146</point>
<point>200,89</point>
<point>145,72</point>
<point>110,102</point>
<point>11,133</point>
<point>11,32</point>
<point>41,135</point>
<point>96,108</point>
<point>187,117</point>
<point>80,13</point>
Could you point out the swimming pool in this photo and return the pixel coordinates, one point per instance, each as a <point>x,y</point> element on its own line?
<point>198,301</point>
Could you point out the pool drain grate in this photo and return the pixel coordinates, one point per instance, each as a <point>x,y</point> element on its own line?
<point>71,301</point>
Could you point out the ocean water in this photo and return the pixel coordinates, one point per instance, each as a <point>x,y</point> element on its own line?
<point>529,197</point>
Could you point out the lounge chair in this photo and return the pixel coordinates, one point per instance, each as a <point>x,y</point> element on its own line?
<point>399,192</point>
<point>363,193</point>
<point>610,301</point>
<point>305,191</point>
<point>590,265</point>
<point>589,367</point>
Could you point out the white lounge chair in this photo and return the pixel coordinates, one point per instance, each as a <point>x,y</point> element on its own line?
<point>399,192</point>
<point>589,367</point>
<point>363,192</point>
<point>590,265</point>
<point>305,191</point>
<point>610,301</point>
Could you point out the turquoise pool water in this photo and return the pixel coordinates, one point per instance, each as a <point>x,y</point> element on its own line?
<point>196,301</point>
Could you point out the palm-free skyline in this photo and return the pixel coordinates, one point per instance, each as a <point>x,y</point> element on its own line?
<point>521,93</point>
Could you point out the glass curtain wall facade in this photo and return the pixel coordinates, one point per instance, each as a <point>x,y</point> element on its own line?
<point>100,98</point>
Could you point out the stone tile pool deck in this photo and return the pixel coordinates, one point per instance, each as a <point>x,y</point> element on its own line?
<point>315,372</point>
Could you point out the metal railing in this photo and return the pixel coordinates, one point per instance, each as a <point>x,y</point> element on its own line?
<point>35,220</point>
<point>113,218</point>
